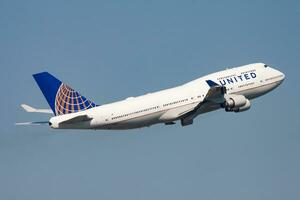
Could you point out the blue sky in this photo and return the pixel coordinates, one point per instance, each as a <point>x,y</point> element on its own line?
<point>109,50</point>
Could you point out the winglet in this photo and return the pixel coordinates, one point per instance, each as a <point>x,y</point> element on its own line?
<point>211,83</point>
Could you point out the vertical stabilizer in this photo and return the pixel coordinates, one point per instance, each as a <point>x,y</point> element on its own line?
<point>61,98</point>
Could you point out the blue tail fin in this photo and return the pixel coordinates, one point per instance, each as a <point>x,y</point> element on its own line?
<point>61,98</point>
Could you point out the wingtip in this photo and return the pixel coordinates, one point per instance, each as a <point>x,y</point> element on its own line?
<point>27,108</point>
<point>211,83</point>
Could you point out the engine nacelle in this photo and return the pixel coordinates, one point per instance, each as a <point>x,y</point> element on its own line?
<point>247,106</point>
<point>235,101</point>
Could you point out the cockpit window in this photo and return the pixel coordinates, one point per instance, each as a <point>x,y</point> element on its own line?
<point>266,66</point>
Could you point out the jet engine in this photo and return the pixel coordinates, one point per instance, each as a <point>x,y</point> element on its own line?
<point>236,103</point>
<point>247,106</point>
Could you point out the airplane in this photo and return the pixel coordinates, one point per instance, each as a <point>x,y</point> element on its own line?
<point>230,89</point>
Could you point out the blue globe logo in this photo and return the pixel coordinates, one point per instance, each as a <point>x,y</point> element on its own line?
<point>69,101</point>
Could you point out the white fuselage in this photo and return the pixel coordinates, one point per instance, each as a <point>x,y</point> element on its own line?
<point>169,105</point>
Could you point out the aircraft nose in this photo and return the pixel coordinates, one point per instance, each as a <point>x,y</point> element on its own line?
<point>283,76</point>
<point>278,74</point>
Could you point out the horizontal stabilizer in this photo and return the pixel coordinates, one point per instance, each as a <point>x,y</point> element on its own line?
<point>28,108</point>
<point>31,123</point>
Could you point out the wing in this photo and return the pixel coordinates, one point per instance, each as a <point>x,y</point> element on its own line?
<point>212,101</point>
<point>28,108</point>
<point>215,93</point>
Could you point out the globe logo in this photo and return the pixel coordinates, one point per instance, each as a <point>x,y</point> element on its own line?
<point>69,101</point>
